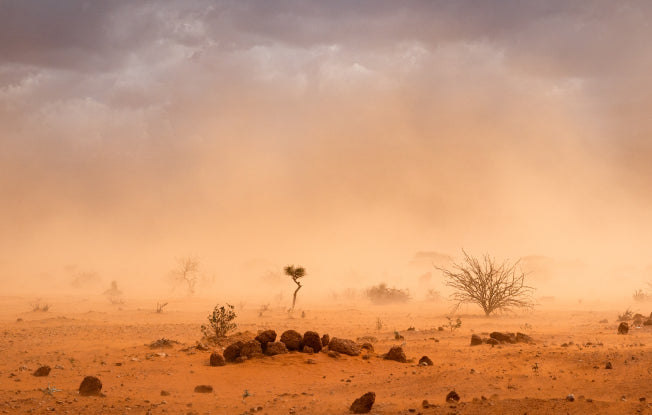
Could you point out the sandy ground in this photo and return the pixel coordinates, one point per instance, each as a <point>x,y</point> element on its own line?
<point>86,336</point>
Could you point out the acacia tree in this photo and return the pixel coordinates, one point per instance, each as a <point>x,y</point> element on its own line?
<point>296,274</point>
<point>187,273</point>
<point>493,286</point>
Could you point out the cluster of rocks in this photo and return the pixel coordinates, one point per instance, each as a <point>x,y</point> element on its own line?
<point>498,337</point>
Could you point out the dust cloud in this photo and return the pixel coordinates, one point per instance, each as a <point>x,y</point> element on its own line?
<point>346,139</point>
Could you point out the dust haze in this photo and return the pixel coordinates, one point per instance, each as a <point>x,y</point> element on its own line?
<point>357,141</point>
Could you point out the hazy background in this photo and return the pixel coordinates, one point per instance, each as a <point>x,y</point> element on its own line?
<point>341,136</point>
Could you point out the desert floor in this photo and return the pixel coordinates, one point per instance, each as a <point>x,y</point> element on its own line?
<point>87,336</point>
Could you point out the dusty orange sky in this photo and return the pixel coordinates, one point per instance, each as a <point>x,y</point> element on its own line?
<point>341,137</point>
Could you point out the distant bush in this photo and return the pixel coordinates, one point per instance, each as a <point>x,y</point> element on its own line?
<point>220,322</point>
<point>382,294</point>
<point>641,296</point>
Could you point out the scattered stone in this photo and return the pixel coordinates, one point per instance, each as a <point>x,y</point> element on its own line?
<point>90,386</point>
<point>344,346</point>
<point>492,342</point>
<point>308,349</point>
<point>452,397</point>
<point>333,354</point>
<point>570,398</point>
<point>292,339</point>
<point>608,366</point>
<point>264,337</point>
<point>201,347</point>
<point>250,349</point>
<point>363,404</point>
<point>232,351</point>
<point>425,404</point>
<point>397,354</point>
<point>425,361</point>
<point>165,393</point>
<point>162,343</point>
<point>476,340</point>
<point>217,359</point>
<point>367,346</point>
<point>325,339</point>
<point>623,328</point>
<point>42,371</point>
<point>203,389</point>
<point>312,340</point>
<point>274,348</point>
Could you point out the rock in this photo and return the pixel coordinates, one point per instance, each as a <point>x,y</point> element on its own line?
<point>312,340</point>
<point>425,361</point>
<point>292,340</point>
<point>524,338</point>
<point>90,386</point>
<point>475,340</point>
<point>363,404</point>
<point>344,346</point>
<point>425,404</point>
<point>203,389</point>
<point>42,371</point>
<point>250,349</point>
<point>623,328</point>
<point>333,354</point>
<point>217,359</point>
<point>232,351</point>
<point>367,346</point>
<point>274,348</point>
<point>240,359</point>
<point>570,398</point>
<point>503,337</point>
<point>165,393</point>
<point>308,349</point>
<point>608,366</point>
<point>452,397</point>
<point>648,322</point>
<point>397,354</point>
<point>491,341</point>
<point>264,337</point>
<point>325,339</point>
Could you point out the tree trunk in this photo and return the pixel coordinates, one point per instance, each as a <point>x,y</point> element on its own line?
<point>294,298</point>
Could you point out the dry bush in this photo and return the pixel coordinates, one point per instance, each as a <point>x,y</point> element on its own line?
<point>296,273</point>
<point>641,296</point>
<point>492,286</point>
<point>187,273</point>
<point>382,294</point>
<point>114,294</point>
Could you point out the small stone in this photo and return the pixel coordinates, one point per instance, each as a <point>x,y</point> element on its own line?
<point>623,328</point>
<point>250,349</point>
<point>308,349</point>
<point>325,339</point>
<point>232,351</point>
<point>344,346</point>
<point>264,337</point>
<point>333,354</point>
<point>292,339</point>
<point>397,354</point>
<point>203,389</point>
<point>165,393</point>
<point>274,348</point>
<point>216,359</point>
<point>608,366</point>
<point>425,361</point>
<point>363,404</point>
<point>570,398</point>
<point>476,340</point>
<point>311,339</point>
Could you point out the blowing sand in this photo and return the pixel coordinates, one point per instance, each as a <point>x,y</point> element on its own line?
<point>79,337</point>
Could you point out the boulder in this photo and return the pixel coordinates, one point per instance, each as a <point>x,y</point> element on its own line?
<point>425,361</point>
<point>475,340</point>
<point>292,339</point>
<point>42,371</point>
<point>264,337</point>
<point>397,354</point>
<point>344,346</point>
<point>216,359</point>
<point>623,328</point>
<point>232,351</point>
<point>363,404</point>
<point>250,349</point>
<point>274,348</point>
<point>325,339</point>
<point>524,338</point>
<point>503,337</point>
<point>312,340</point>
<point>203,389</point>
<point>90,386</point>
<point>452,397</point>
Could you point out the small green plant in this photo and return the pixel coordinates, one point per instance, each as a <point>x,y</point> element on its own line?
<point>220,322</point>
<point>453,326</point>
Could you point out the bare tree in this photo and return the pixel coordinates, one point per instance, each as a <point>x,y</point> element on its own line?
<point>187,273</point>
<point>492,286</point>
<point>296,274</point>
<point>114,294</point>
